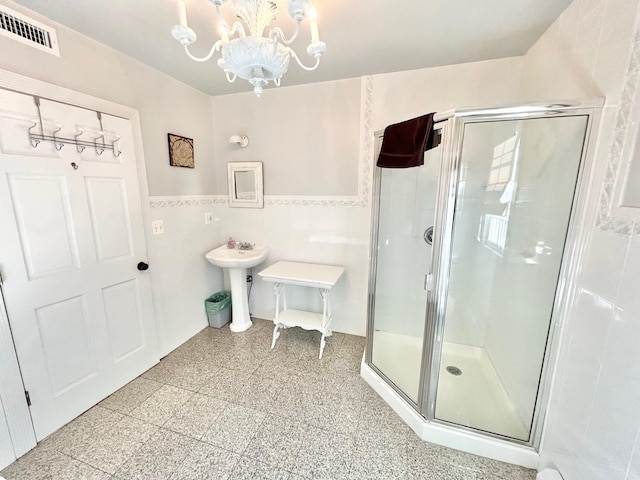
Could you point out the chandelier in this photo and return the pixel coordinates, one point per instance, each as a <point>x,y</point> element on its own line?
<point>254,56</point>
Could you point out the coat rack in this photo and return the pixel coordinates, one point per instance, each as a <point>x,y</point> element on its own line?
<point>98,143</point>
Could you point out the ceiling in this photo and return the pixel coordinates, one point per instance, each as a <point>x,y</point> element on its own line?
<point>363,37</point>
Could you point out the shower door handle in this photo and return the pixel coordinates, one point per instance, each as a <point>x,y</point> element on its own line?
<point>428,282</point>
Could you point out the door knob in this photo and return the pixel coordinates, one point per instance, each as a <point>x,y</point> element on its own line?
<point>143,266</point>
<point>428,236</point>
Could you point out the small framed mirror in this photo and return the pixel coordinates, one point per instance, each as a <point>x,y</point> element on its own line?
<point>245,184</point>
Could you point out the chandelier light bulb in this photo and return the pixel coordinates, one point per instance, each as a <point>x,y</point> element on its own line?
<point>313,19</point>
<point>224,35</point>
<point>182,13</point>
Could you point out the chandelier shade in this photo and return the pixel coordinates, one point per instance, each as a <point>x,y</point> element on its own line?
<point>254,56</point>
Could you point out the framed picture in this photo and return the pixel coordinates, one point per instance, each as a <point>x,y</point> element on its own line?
<point>181,151</point>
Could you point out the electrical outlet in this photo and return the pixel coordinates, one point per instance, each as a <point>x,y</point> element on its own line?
<point>208,218</point>
<point>157,227</point>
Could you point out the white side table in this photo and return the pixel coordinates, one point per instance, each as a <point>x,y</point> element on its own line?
<point>322,277</point>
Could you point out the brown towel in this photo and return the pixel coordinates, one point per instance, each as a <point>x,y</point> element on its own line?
<point>404,143</point>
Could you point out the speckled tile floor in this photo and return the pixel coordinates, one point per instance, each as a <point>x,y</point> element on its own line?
<point>225,406</point>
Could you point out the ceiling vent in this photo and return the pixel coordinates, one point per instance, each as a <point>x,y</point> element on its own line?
<point>28,31</point>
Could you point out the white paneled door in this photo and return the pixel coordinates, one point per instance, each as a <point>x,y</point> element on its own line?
<point>71,239</point>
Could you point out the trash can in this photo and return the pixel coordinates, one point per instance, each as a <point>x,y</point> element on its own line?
<point>218,307</point>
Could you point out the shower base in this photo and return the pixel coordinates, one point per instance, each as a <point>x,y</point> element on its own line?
<point>399,356</point>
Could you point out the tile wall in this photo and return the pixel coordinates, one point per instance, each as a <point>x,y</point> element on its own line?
<point>593,420</point>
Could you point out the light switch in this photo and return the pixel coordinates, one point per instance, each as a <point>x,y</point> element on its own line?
<point>208,217</point>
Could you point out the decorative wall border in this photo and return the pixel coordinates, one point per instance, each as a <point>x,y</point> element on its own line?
<point>606,220</point>
<point>364,173</point>
<point>187,200</point>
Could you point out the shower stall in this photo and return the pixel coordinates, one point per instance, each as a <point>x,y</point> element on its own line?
<point>471,260</point>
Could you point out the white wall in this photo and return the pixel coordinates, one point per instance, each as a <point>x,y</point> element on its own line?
<point>307,136</point>
<point>593,419</point>
<point>183,279</point>
<point>403,95</point>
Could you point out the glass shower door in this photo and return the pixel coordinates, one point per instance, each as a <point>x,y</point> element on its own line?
<point>402,259</point>
<point>512,208</point>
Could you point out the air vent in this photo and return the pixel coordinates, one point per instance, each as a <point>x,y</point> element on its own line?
<point>28,31</point>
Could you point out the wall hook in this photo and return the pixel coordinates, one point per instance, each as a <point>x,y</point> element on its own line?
<point>58,145</point>
<point>116,152</point>
<point>99,149</point>
<point>34,142</point>
<point>80,148</point>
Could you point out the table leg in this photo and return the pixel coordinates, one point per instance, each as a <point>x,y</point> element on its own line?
<point>322,345</point>
<point>276,335</point>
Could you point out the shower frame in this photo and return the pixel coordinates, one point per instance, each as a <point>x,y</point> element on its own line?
<point>420,415</point>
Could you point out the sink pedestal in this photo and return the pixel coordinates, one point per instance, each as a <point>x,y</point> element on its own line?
<point>240,319</point>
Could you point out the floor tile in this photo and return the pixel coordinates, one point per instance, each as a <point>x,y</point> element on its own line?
<point>337,413</point>
<point>196,416</point>
<point>115,446</point>
<point>235,428</point>
<point>78,435</point>
<point>259,392</point>
<point>158,458</point>
<point>245,360</point>
<point>295,402</point>
<point>225,385</point>
<point>380,423</point>
<point>251,469</point>
<point>188,374</point>
<point>76,470</point>
<point>278,442</point>
<point>325,455</point>
<point>38,464</point>
<point>206,462</point>
<point>129,397</point>
<point>162,405</point>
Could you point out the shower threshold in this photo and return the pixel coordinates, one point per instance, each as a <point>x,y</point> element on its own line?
<point>449,435</point>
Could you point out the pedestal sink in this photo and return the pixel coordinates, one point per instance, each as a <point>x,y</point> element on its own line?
<point>237,261</point>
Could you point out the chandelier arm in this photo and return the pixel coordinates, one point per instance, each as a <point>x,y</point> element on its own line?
<point>302,65</point>
<point>216,47</point>
<point>221,20</point>
<point>230,79</point>
<point>237,28</point>
<point>277,33</point>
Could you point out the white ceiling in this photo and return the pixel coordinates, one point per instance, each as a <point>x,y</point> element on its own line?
<point>363,36</point>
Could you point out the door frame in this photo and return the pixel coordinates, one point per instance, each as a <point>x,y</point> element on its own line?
<point>19,419</point>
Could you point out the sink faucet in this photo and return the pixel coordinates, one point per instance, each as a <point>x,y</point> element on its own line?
<point>245,246</point>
